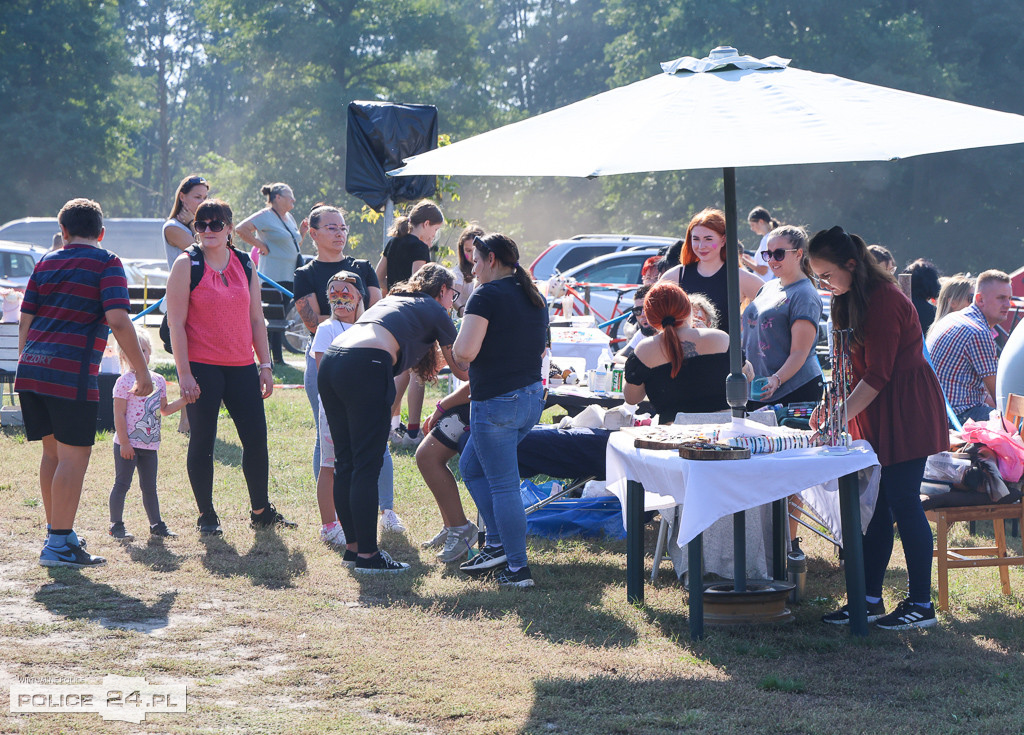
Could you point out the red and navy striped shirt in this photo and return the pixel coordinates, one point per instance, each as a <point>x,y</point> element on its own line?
<point>68,294</point>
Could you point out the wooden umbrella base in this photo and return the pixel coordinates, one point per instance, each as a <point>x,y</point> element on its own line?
<point>763,602</point>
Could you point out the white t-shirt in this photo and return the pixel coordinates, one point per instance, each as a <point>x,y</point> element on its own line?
<point>759,259</point>
<point>325,334</point>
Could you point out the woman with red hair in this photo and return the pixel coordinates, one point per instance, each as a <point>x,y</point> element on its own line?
<point>702,264</point>
<point>682,368</point>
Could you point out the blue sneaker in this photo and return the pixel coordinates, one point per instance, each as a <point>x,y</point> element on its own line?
<point>69,555</point>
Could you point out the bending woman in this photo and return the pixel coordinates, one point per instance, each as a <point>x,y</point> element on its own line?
<point>780,326</point>
<point>215,327</point>
<point>357,387</point>
<point>896,406</point>
<point>502,337</point>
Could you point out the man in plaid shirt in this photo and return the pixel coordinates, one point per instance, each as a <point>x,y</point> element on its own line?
<point>964,351</point>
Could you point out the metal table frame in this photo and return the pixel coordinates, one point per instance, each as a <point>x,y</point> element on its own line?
<point>849,504</point>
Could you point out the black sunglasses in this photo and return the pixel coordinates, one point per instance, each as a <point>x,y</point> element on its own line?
<point>637,311</point>
<point>214,225</point>
<point>195,181</point>
<point>780,254</point>
<point>479,243</point>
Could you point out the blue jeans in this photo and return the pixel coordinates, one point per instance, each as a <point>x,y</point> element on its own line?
<point>899,500</point>
<point>309,383</point>
<point>490,469</point>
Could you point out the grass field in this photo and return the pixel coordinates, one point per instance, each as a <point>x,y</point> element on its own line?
<point>270,633</point>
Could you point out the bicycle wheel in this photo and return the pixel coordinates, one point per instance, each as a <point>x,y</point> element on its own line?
<point>295,333</point>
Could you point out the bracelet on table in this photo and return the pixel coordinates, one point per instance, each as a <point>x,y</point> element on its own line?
<point>266,366</point>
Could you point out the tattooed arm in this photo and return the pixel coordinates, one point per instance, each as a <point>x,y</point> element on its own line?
<point>309,312</point>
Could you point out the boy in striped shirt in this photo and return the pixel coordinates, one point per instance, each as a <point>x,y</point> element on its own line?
<point>74,298</point>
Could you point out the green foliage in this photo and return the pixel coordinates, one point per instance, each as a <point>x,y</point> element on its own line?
<point>119,100</point>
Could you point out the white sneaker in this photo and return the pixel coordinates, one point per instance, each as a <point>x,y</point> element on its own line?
<point>389,521</point>
<point>411,442</point>
<point>333,536</point>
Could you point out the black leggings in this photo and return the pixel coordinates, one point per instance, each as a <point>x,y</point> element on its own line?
<point>357,388</point>
<point>124,469</point>
<point>239,388</point>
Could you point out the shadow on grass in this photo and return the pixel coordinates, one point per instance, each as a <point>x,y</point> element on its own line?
<point>155,555</point>
<point>74,595</point>
<point>268,563</point>
<point>227,453</point>
<point>545,610</point>
<point>620,704</point>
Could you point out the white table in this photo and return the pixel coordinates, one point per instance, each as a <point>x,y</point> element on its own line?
<point>585,342</point>
<point>707,491</point>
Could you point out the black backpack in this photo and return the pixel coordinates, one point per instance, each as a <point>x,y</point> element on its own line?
<point>195,255</point>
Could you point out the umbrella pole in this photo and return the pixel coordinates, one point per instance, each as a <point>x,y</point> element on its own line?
<point>736,383</point>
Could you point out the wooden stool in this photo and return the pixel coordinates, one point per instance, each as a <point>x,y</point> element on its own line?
<point>979,556</point>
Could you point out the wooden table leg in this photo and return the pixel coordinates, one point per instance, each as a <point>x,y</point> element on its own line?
<point>634,542</point>
<point>695,570</point>
<point>853,553</point>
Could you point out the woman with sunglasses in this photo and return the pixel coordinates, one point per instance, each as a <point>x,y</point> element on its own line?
<point>780,326</point>
<point>273,232</point>
<point>702,264</point>
<point>177,230</point>
<point>502,337</point>
<point>896,406</point>
<point>329,233</point>
<point>215,327</point>
<point>357,388</point>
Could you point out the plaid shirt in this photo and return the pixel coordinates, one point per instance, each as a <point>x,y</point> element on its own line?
<point>963,353</point>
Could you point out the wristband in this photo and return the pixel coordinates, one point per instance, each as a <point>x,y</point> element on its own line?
<point>440,407</point>
<point>266,366</point>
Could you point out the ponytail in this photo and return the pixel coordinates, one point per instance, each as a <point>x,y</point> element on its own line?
<point>667,306</point>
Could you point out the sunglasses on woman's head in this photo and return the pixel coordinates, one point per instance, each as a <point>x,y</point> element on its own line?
<point>214,225</point>
<point>478,242</point>
<point>195,181</point>
<point>780,254</point>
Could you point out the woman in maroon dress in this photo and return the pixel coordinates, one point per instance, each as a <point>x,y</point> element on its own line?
<point>896,406</point>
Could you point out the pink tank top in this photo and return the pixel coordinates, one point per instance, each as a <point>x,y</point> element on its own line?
<point>218,328</point>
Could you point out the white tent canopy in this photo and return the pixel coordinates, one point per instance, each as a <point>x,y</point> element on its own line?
<point>723,111</point>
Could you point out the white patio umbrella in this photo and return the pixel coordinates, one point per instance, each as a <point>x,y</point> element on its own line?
<point>697,114</point>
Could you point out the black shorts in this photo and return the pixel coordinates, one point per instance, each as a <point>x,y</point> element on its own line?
<point>452,429</point>
<point>71,422</point>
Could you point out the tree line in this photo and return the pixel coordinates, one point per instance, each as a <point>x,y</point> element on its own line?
<point>119,100</point>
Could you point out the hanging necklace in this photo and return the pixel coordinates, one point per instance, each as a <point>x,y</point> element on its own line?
<point>223,278</point>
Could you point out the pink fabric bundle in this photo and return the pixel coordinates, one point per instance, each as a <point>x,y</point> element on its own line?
<point>1001,437</point>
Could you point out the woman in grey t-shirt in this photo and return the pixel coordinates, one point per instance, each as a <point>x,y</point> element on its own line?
<point>780,326</point>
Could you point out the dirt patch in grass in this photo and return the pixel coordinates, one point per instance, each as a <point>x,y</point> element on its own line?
<point>272,635</point>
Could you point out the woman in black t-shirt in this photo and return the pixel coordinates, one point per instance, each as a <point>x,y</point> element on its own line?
<point>357,386</point>
<point>405,253</point>
<point>329,232</point>
<point>502,337</point>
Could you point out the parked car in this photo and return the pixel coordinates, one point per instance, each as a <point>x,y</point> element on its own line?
<point>563,255</point>
<point>17,261</point>
<point>137,241</point>
<point>620,271</point>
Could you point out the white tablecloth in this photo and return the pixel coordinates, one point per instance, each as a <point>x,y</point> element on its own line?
<point>708,491</point>
<point>585,342</point>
